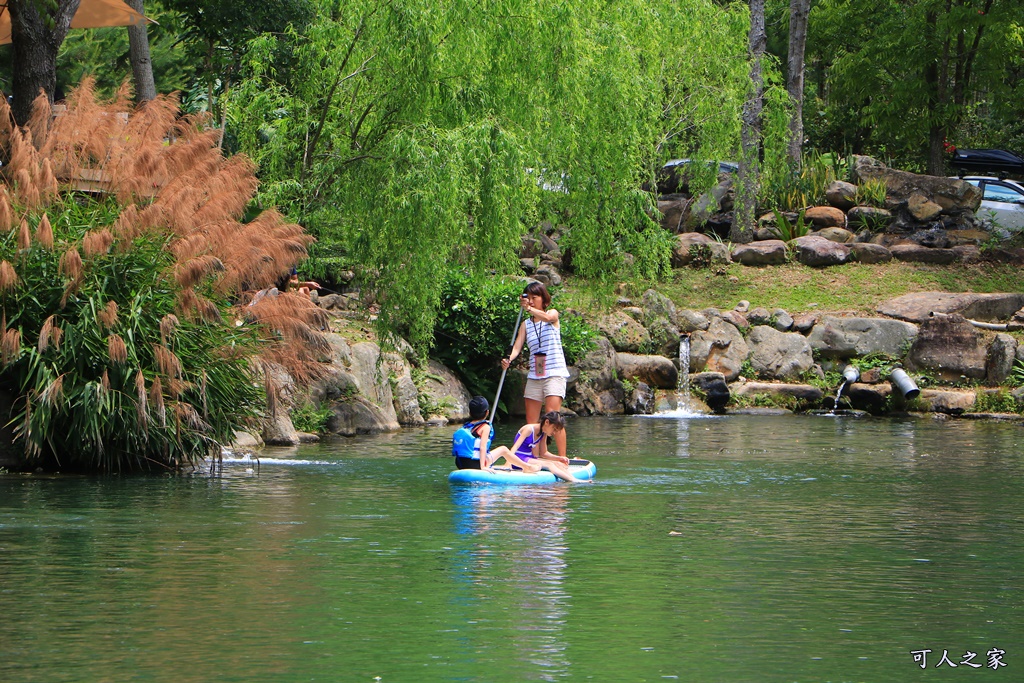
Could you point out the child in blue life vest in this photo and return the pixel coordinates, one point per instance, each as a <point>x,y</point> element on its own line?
<point>471,443</point>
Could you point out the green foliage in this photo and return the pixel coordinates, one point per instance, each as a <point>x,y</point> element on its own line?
<point>789,231</point>
<point>577,337</point>
<point>872,193</point>
<point>426,104</point>
<point>1016,378</point>
<point>701,256</point>
<point>80,406</point>
<point>996,401</point>
<point>475,327</point>
<point>309,418</point>
<point>895,72</point>
<point>792,189</point>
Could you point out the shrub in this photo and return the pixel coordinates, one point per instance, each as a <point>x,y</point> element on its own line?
<point>122,338</point>
<point>475,328</point>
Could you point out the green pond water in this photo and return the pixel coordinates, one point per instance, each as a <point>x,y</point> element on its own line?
<point>708,550</point>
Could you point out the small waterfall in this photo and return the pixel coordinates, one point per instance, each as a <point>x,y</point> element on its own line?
<point>839,393</point>
<point>850,375</point>
<point>683,383</point>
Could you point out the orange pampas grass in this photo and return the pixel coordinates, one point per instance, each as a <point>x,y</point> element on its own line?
<point>192,272</point>
<point>97,242</point>
<point>141,404</point>
<point>166,361</point>
<point>44,232</point>
<point>71,264</point>
<point>108,315</point>
<point>6,215</point>
<point>52,394</point>
<point>117,350</point>
<point>49,334</point>
<point>156,397</point>
<point>168,324</point>
<point>105,381</point>
<point>24,236</point>
<point>10,346</point>
<point>8,277</point>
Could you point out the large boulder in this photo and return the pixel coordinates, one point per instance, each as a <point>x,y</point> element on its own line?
<point>442,389</point>
<point>865,252</point>
<point>834,337</point>
<point>952,195</point>
<point>674,210</point>
<point>950,348</point>
<point>949,401</point>
<point>714,387</point>
<point>763,253</point>
<point>815,251</point>
<point>916,253</point>
<point>624,333</point>
<point>598,390</point>
<point>405,394</point>
<point>355,371</point>
<point>691,321</point>
<point>779,355</point>
<point>640,401</point>
<point>655,371</point>
<point>841,195</point>
<point>657,305</point>
<point>803,394</point>
<point>825,217</point>
<point>1001,355</point>
<point>682,253</point>
<point>718,198</point>
<point>870,217</point>
<point>920,306</point>
<point>720,348</point>
<point>356,415</point>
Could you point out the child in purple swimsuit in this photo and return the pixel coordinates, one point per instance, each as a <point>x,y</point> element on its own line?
<point>531,446</point>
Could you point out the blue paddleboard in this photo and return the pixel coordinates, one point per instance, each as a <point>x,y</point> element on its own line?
<point>581,469</point>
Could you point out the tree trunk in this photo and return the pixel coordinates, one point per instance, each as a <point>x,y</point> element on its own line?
<point>744,217</point>
<point>138,55</point>
<point>798,11</point>
<point>35,51</point>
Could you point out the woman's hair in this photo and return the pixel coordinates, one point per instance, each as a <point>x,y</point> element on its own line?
<point>554,418</point>
<point>538,289</point>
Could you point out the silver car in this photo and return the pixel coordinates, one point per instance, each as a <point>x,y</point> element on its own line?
<point>1002,201</point>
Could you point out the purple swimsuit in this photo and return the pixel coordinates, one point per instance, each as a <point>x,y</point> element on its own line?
<point>525,450</point>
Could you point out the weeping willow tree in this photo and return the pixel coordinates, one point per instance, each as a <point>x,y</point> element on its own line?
<point>412,136</point>
<point>125,338</point>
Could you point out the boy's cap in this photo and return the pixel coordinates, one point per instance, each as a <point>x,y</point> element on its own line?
<point>478,406</point>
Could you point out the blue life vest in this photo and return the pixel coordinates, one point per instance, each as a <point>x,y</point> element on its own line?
<point>465,444</point>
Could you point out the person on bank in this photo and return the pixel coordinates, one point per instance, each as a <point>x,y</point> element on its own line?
<point>471,443</point>
<point>545,383</point>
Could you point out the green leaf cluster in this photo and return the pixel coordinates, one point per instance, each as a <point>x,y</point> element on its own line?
<point>414,138</point>
<point>76,404</point>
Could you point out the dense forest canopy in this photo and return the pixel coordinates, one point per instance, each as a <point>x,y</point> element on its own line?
<point>412,136</point>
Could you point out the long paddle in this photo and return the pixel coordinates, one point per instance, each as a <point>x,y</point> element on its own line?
<point>501,383</point>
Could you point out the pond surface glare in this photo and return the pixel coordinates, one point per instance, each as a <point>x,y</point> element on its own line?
<point>709,549</point>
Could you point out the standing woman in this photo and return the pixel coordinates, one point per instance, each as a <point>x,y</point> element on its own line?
<point>545,383</point>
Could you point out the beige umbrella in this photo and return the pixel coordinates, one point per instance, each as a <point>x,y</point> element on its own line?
<point>90,14</point>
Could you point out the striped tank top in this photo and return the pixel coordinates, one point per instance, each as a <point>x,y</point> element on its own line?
<point>542,337</point>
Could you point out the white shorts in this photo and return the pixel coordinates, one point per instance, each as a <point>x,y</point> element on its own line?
<point>539,389</point>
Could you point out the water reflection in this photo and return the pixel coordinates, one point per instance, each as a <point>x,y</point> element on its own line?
<point>530,523</point>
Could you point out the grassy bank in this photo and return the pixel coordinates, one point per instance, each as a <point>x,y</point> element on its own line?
<point>854,288</point>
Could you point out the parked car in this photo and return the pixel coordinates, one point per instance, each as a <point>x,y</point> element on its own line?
<point>1001,200</point>
<point>673,176</point>
<point>998,161</point>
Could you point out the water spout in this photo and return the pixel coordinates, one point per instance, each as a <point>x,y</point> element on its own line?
<point>902,383</point>
<point>850,375</point>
